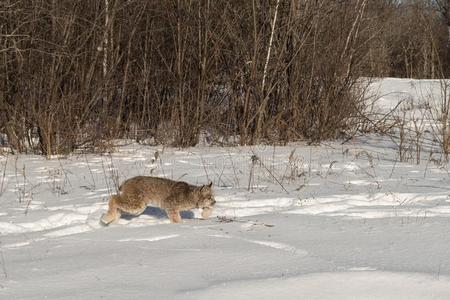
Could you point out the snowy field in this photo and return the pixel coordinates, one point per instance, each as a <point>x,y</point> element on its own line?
<point>329,221</point>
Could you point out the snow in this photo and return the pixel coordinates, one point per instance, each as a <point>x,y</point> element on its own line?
<point>390,92</point>
<point>338,285</point>
<point>323,286</point>
<point>332,221</point>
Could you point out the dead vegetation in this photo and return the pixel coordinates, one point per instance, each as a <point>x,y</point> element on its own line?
<point>79,74</point>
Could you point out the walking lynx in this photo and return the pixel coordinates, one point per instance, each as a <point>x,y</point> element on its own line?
<point>172,196</point>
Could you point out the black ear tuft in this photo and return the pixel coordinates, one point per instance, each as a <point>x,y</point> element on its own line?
<point>206,187</point>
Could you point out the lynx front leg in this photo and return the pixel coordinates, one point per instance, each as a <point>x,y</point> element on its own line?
<point>206,212</point>
<point>174,215</point>
<point>113,213</point>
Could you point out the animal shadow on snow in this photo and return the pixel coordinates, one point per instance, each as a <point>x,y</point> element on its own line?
<point>159,214</point>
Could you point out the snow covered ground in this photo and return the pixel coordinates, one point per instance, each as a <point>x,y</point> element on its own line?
<point>332,221</point>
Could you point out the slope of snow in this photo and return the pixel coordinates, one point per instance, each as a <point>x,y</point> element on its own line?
<point>390,92</point>
<point>335,286</point>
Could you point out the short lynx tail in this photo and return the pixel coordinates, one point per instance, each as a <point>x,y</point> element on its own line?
<point>112,214</point>
<point>106,219</point>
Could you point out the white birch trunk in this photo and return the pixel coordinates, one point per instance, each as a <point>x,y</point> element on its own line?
<point>270,46</point>
<point>105,40</point>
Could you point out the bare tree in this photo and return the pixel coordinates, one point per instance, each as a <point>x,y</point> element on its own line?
<point>78,74</point>
<point>444,8</point>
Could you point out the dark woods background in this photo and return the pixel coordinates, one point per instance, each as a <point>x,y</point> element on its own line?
<point>78,74</point>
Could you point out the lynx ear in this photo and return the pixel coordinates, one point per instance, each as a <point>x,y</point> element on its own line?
<point>206,187</point>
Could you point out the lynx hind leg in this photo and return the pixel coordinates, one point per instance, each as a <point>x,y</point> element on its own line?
<point>134,207</point>
<point>119,205</point>
<point>113,213</point>
<point>174,215</point>
<point>206,212</point>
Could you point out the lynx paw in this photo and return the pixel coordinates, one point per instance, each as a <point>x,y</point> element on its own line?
<point>174,216</point>
<point>206,212</point>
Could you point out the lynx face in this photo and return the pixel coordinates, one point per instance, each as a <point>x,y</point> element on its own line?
<point>206,197</point>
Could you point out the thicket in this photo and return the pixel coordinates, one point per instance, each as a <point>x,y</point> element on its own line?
<point>78,74</point>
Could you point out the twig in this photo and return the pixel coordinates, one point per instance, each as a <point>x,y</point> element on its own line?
<point>271,174</point>
<point>225,219</point>
<point>157,156</point>
<point>114,173</point>
<point>17,179</point>
<point>250,179</point>
<point>393,167</point>
<point>90,171</point>
<point>28,203</point>
<point>3,264</point>
<point>310,161</point>
<point>204,168</point>
<point>4,175</point>
<point>106,179</point>
<point>234,169</point>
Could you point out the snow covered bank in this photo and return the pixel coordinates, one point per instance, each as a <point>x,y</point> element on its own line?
<point>335,286</point>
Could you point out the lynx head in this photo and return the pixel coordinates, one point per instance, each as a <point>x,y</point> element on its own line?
<point>205,196</point>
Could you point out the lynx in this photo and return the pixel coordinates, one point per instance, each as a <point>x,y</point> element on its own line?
<point>172,196</point>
